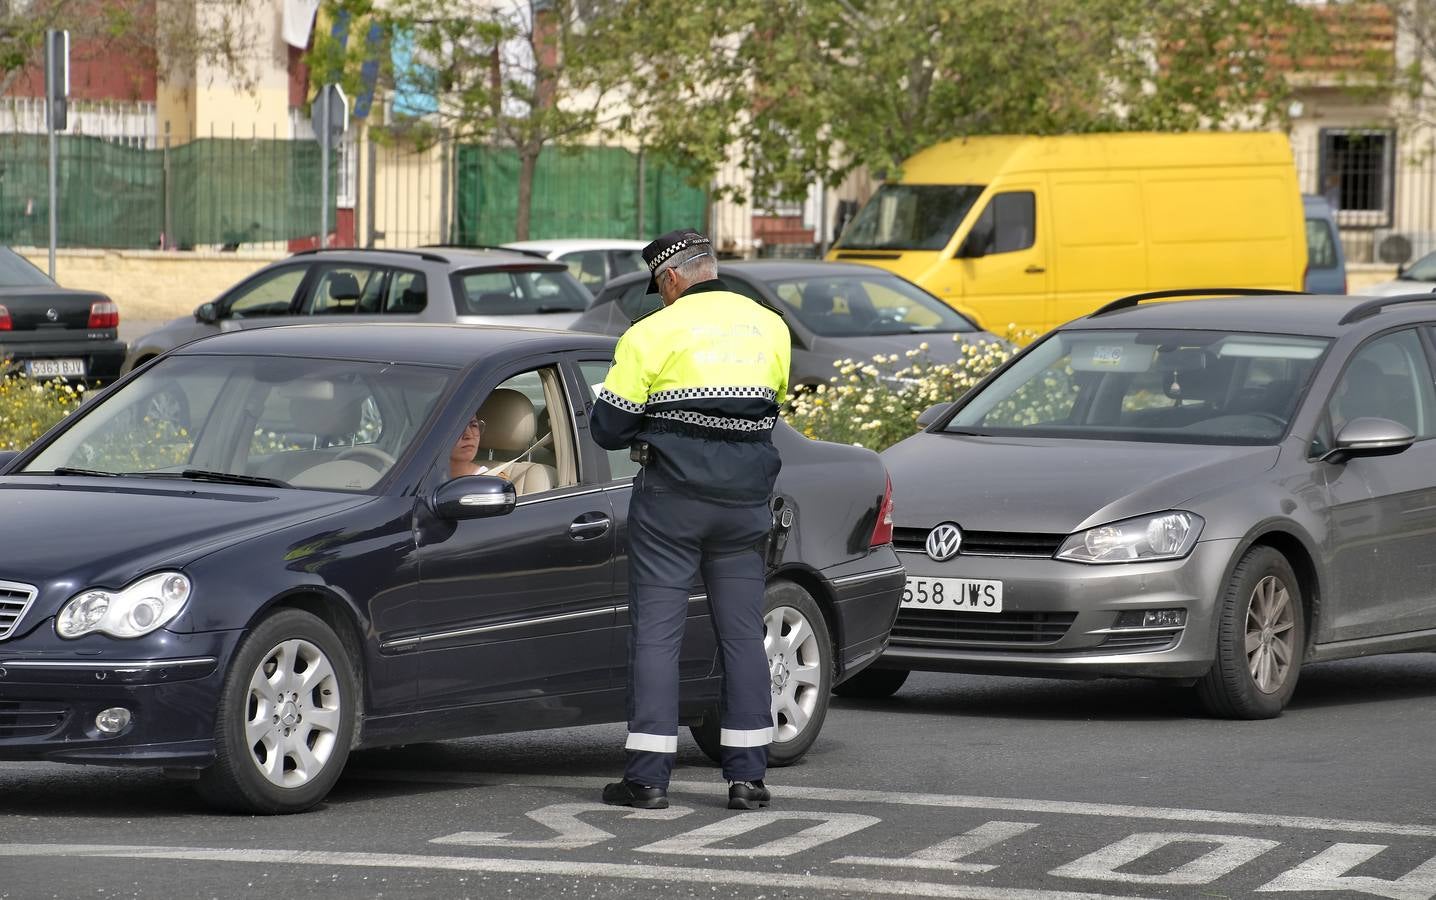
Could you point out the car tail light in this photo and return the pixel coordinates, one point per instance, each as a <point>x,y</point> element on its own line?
<point>5,323</point>
<point>883,533</point>
<point>104,314</point>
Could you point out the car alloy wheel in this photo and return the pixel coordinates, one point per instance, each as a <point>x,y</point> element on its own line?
<point>1270,626</point>
<point>795,670</point>
<point>286,717</point>
<point>800,672</point>
<point>1261,635</point>
<point>293,713</point>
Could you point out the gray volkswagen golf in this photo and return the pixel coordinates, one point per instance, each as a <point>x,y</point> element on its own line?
<point>1215,491</point>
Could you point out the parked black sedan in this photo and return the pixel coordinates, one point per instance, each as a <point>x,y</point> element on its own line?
<point>47,331</point>
<point>324,556</point>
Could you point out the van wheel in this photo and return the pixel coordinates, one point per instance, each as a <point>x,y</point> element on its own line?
<point>800,666</point>
<point>873,684</point>
<point>1260,640</point>
<point>286,718</point>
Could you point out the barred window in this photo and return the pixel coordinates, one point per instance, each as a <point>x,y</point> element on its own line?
<point>1357,175</point>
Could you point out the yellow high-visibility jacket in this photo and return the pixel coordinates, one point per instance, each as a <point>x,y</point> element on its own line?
<point>700,382</point>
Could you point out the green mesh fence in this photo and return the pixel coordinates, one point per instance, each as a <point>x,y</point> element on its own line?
<point>209,191</point>
<point>584,192</point>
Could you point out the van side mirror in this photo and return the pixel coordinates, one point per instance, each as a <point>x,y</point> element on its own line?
<point>474,497</point>
<point>976,244</point>
<point>206,313</point>
<point>932,414</point>
<point>1370,437</point>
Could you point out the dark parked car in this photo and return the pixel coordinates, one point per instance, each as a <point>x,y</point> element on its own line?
<point>1213,491</point>
<point>299,572</point>
<point>835,311</point>
<point>439,285</point>
<point>47,331</point>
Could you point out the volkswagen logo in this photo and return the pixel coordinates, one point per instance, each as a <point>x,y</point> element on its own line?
<point>52,314</point>
<point>943,542</point>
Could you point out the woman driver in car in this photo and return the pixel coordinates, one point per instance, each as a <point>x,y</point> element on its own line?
<point>461,458</point>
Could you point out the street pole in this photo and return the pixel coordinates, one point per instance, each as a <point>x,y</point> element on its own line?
<point>324,171</point>
<point>57,92</point>
<point>54,193</point>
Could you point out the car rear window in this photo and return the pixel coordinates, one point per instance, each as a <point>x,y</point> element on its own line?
<point>517,291</point>
<point>17,271</point>
<point>1320,244</point>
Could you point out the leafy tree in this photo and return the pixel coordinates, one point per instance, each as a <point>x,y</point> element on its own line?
<point>164,34</point>
<point>809,90</point>
<point>516,74</point>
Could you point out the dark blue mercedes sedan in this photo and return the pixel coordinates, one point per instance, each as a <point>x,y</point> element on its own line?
<point>268,548</point>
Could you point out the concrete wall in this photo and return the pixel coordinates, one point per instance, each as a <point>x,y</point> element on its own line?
<point>151,285</point>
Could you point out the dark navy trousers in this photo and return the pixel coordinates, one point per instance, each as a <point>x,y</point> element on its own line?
<point>672,539</point>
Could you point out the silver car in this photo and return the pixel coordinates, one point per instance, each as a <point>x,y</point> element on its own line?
<point>442,284</point>
<point>1214,491</point>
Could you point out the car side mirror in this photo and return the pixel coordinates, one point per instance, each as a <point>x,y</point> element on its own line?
<point>474,497</point>
<point>932,414</point>
<point>1370,437</point>
<point>206,313</point>
<point>6,456</point>
<point>1400,269</point>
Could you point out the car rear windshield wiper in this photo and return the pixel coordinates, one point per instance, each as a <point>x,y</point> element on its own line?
<point>232,478</point>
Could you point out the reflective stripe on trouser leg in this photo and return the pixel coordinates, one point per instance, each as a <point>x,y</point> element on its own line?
<point>735,595</point>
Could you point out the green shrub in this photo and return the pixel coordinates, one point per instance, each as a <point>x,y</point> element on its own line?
<point>28,408</point>
<point>875,404</point>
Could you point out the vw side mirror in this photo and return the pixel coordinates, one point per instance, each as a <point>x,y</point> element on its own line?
<point>1370,437</point>
<point>206,314</point>
<point>474,497</point>
<point>932,414</point>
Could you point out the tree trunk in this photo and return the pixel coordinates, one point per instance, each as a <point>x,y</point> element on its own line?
<point>528,162</point>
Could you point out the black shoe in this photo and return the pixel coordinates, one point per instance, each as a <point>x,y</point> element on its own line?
<point>638,796</point>
<point>748,795</point>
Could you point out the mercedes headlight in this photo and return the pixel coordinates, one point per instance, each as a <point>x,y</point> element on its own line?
<point>133,612</point>
<point>1169,535</point>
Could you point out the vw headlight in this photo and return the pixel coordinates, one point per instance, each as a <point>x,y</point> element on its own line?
<point>1169,535</point>
<point>133,612</point>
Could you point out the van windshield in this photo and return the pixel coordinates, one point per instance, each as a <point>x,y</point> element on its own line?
<point>910,217</point>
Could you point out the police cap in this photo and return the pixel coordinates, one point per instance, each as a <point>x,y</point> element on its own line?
<point>673,249</point>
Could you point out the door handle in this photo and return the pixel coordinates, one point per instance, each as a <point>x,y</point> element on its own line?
<point>587,529</point>
<point>1035,270</point>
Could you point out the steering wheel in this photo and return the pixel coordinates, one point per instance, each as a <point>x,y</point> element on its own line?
<point>370,456</point>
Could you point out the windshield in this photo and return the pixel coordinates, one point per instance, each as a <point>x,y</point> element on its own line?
<point>1424,269</point>
<point>910,217</point>
<point>306,423</point>
<point>862,305</point>
<point>17,271</point>
<point>518,292</point>
<point>1183,387</point>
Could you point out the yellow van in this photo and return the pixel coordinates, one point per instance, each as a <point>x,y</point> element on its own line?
<point>1036,231</point>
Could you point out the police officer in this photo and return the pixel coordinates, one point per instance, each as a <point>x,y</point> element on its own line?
<point>694,390</point>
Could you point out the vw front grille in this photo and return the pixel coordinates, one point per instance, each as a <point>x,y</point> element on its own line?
<point>934,628</point>
<point>15,599</point>
<point>986,543</point>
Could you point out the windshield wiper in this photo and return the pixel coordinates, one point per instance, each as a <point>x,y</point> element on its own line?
<point>71,470</point>
<point>232,478</point>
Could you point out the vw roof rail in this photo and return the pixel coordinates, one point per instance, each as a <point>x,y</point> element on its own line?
<point>1134,299</point>
<point>422,254</point>
<point>1375,305</point>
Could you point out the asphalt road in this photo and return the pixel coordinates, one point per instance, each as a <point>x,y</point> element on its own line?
<point>974,787</point>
